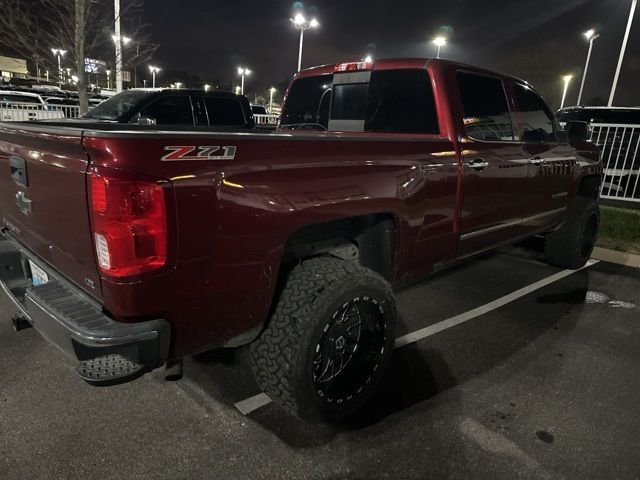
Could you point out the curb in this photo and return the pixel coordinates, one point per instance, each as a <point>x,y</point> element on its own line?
<point>619,258</point>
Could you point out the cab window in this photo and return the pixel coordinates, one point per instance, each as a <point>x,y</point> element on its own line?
<point>535,122</point>
<point>401,101</point>
<point>224,111</point>
<point>486,114</point>
<point>170,110</point>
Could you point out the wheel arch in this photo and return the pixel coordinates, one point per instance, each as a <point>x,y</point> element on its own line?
<point>372,235</point>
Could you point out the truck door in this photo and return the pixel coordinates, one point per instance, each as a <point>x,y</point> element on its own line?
<point>551,161</point>
<point>495,169</point>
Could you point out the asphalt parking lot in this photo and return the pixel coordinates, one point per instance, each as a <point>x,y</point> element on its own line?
<point>520,370</point>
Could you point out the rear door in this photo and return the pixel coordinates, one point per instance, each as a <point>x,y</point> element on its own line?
<point>43,199</point>
<point>551,161</point>
<point>495,189</point>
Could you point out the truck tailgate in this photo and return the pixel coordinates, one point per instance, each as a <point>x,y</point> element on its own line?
<point>43,199</point>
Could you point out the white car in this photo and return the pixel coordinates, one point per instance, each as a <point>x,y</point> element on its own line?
<point>24,106</point>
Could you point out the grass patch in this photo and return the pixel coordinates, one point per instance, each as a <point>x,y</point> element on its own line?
<point>619,229</point>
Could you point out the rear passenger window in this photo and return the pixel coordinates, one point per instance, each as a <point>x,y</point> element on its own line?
<point>172,110</point>
<point>401,101</point>
<point>224,111</point>
<point>486,111</point>
<point>535,121</point>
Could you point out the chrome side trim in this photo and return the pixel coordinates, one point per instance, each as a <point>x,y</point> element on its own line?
<point>511,223</point>
<point>542,215</point>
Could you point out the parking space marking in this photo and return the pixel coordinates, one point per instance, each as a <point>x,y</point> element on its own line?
<point>252,404</point>
<point>477,312</point>
<point>256,402</point>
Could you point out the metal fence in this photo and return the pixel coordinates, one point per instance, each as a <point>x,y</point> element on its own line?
<point>69,111</point>
<point>266,120</point>
<point>620,145</point>
<point>23,112</point>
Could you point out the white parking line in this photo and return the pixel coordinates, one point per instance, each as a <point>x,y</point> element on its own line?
<point>258,401</point>
<point>252,404</point>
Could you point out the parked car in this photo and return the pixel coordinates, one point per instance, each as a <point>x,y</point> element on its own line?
<point>614,115</point>
<point>259,110</point>
<point>22,106</point>
<point>171,107</point>
<point>130,247</point>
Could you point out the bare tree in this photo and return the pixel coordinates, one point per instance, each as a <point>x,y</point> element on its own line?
<point>31,28</point>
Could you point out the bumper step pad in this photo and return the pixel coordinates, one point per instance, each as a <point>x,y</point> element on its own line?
<point>109,369</point>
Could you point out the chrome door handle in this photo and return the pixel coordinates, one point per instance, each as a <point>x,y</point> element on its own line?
<point>478,164</point>
<point>537,161</point>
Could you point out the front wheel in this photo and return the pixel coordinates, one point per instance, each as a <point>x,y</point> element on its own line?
<point>329,340</point>
<point>572,244</point>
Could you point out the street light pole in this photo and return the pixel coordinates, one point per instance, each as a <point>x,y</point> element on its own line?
<point>154,70</point>
<point>439,42</point>
<point>591,36</point>
<point>272,90</point>
<point>622,52</point>
<point>300,49</point>
<point>118,41</point>
<point>242,71</point>
<point>58,53</point>
<point>567,81</point>
<point>302,24</point>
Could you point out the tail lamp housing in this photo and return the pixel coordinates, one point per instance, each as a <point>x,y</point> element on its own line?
<point>130,223</point>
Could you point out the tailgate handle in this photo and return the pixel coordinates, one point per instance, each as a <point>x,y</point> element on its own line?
<point>19,171</point>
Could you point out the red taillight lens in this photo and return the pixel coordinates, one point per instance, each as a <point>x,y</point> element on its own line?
<point>129,225</point>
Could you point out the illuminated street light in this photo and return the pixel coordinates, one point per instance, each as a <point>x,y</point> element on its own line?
<point>302,24</point>
<point>119,41</point>
<point>272,90</point>
<point>178,85</point>
<point>242,71</point>
<point>57,52</point>
<point>153,71</point>
<point>567,80</point>
<point>368,59</point>
<point>622,52</point>
<point>439,42</point>
<point>591,36</point>
<point>125,40</point>
<point>206,87</point>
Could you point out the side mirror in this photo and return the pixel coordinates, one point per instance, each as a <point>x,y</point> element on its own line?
<point>145,120</point>
<point>577,131</point>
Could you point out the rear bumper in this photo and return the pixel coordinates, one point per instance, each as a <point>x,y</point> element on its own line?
<point>108,351</point>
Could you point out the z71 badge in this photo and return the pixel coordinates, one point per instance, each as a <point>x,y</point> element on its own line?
<point>191,152</point>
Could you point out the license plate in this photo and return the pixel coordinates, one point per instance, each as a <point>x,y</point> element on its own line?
<point>38,275</point>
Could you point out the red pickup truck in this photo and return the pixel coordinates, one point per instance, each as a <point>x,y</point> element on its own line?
<point>130,247</point>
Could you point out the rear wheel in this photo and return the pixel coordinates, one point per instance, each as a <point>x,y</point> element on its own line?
<point>329,340</point>
<point>572,244</point>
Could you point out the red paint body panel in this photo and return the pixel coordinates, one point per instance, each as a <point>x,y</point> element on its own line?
<point>231,218</point>
<point>57,229</point>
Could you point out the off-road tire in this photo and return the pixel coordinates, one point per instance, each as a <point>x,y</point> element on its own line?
<point>282,357</point>
<point>572,244</point>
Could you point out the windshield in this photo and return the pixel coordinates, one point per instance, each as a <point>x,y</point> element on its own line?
<point>119,105</point>
<point>306,99</point>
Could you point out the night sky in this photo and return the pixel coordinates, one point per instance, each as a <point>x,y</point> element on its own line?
<point>539,40</point>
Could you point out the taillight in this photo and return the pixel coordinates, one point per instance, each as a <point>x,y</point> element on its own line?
<point>129,219</point>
